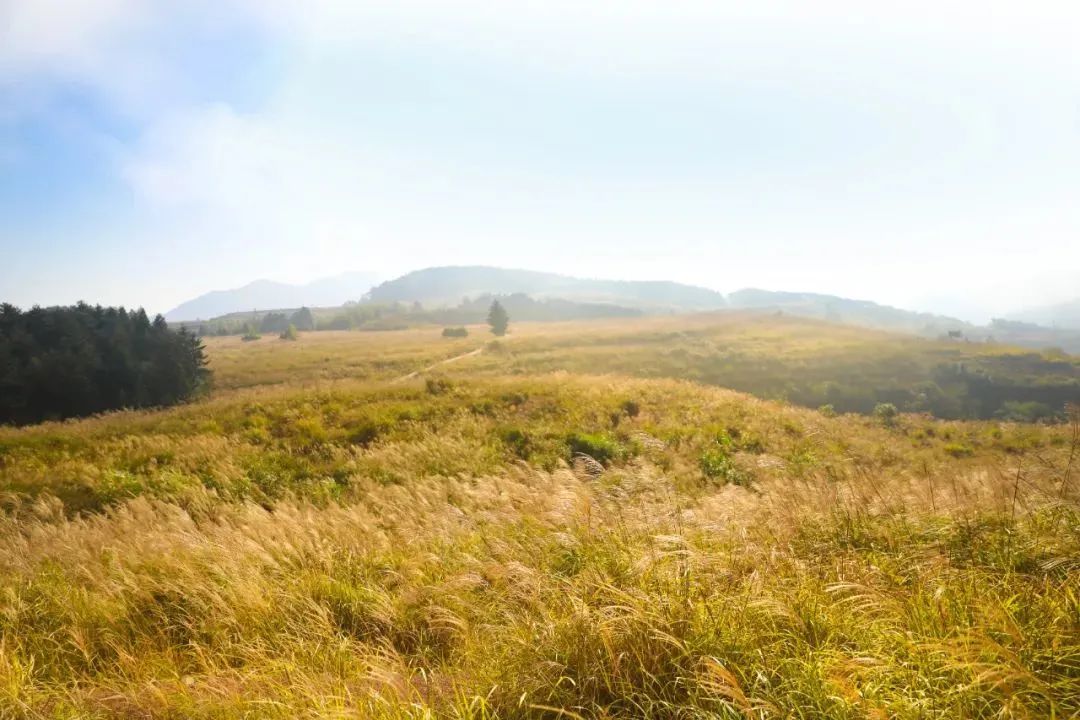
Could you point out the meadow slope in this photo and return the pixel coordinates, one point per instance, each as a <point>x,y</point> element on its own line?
<point>515,535</point>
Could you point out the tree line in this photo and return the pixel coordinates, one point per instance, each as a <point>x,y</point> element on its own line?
<point>62,362</point>
<point>400,315</point>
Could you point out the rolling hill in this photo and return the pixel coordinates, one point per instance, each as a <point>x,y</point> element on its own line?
<point>447,286</point>
<point>846,310</point>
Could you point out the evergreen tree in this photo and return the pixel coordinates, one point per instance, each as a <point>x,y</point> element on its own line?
<point>274,323</point>
<point>68,361</point>
<point>303,319</point>
<point>498,319</point>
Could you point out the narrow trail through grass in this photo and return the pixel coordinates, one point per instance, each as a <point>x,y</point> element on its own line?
<point>429,368</point>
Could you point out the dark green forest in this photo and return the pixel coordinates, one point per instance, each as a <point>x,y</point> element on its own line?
<point>62,362</point>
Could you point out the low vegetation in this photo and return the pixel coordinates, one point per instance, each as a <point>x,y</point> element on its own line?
<point>810,363</point>
<point>352,526</point>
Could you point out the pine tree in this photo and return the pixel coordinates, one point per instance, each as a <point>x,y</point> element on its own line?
<point>303,319</point>
<point>64,362</point>
<point>498,319</point>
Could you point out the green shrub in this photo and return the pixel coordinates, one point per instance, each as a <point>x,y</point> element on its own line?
<point>455,332</point>
<point>886,413</point>
<point>367,432</point>
<point>1025,411</point>
<point>309,431</point>
<point>958,450</point>
<point>599,446</point>
<point>716,464</point>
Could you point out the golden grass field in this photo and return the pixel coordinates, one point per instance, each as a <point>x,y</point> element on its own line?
<point>580,521</point>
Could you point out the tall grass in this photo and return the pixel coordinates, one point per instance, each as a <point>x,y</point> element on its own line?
<point>442,550</point>
<point>499,597</point>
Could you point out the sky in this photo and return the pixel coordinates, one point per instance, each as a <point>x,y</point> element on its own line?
<point>921,154</point>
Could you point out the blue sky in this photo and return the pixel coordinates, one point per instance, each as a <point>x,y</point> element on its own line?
<point>926,155</point>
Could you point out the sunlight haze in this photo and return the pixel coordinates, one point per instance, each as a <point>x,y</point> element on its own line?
<point>927,157</point>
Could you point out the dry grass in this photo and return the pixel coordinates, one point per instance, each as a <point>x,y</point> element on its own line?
<point>421,550</point>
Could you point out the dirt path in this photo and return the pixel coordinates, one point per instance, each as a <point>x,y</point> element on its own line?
<point>429,368</point>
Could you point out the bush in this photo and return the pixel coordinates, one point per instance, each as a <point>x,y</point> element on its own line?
<point>958,450</point>
<point>716,464</point>
<point>367,432</point>
<point>1025,411</point>
<point>599,446</point>
<point>886,413</point>
<point>290,333</point>
<point>455,332</point>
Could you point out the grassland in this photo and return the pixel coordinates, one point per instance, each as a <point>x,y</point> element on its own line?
<point>535,532</point>
<point>806,362</point>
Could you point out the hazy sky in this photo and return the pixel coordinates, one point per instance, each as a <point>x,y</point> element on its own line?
<point>924,154</point>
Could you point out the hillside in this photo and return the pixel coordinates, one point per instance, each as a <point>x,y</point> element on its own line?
<point>1062,315</point>
<point>486,539</point>
<point>855,312</point>
<point>270,295</point>
<point>447,286</point>
<point>803,361</point>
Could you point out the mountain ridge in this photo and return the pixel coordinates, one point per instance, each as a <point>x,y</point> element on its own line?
<point>448,285</point>
<point>265,294</point>
<point>1064,315</point>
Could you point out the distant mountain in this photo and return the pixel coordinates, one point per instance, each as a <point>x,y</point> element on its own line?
<point>883,317</point>
<point>448,286</point>
<point>845,310</point>
<point>1063,315</point>
<point>455,294</point>
<point>270,295</point>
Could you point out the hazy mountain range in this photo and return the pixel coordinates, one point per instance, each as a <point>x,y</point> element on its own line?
<point>1062,315</point>
<point>450,287</point>
<point>439,287</point>
<point>270,295</point>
